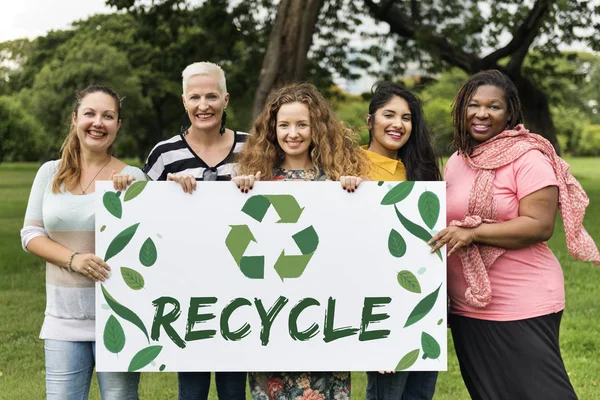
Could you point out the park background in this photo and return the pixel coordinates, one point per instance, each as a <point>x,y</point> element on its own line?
<point>549,49</point>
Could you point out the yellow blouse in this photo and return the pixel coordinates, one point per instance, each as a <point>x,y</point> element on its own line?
<point>383,168</point>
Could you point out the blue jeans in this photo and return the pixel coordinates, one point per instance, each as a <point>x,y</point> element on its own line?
<point>195,385</point>
<point>414,385</point>
<point>69,367</point>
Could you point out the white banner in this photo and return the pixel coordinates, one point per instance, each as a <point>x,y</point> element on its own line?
<point>293,276</point>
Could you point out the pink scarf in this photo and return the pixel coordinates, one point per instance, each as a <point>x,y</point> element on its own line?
<point>494,153</point>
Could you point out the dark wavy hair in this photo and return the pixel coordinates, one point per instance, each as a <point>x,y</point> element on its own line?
<point>417,154</point>
<point>493,77</point>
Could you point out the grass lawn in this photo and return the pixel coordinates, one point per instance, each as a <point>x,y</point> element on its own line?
<point>22,301</point>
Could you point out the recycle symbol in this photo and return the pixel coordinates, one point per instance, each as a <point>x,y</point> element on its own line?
<point>287,265</point>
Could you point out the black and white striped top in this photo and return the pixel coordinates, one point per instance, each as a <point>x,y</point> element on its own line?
<point>175,155</point>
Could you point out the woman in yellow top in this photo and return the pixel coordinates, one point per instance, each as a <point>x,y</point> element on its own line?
<point>399,144</point>
<point>399,149</point>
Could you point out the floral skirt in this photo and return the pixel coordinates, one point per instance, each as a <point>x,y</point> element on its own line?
<point>300,385</point>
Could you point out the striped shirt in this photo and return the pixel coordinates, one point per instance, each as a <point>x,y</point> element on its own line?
<point>70,221</point>
<point>175,155</point>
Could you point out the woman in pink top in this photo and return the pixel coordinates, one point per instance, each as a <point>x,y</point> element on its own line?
<point>506,288</point>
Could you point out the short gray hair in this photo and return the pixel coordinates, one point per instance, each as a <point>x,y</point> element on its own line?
<point>205,68</point>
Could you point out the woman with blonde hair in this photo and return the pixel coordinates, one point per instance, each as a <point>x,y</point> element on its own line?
<point>298,137</point>
<point>59,228</point>
<point>205,151</point>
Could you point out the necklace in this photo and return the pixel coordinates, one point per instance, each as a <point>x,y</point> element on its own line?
<point>93,179</point>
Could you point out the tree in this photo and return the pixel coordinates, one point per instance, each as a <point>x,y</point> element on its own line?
<point>22,137</point>
<point>289,42</point>
<point>141,54</point>
<point>469,35</point>
<point>458,33</point>
<point>85,63</point>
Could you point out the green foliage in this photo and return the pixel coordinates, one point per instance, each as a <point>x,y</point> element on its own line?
<point>436,35</point>
<point>22,136</point>
<point>588,141</point>
<point>141,54</point>
<point>437,99</point>
<point>353,110</point>
<point>570,122</point>
<point>574,93</point>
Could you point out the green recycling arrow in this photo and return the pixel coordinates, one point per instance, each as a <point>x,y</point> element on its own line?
<point>287,265</point>
<point>292,266</point>
<point>237,241</point>
<point>285,205</point>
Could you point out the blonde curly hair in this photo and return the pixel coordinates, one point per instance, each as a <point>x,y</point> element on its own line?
<point>333,149</point>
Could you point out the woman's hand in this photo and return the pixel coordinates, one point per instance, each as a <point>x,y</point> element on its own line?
<point>246,182</point>
<point>454,237</point>
<point>187,182</point>
<point>121,181</point>
<point>350,183</point>
<point>90,266</point>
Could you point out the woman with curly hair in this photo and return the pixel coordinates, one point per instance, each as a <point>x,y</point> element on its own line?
<point>505,185</point>
<point>298,137</point>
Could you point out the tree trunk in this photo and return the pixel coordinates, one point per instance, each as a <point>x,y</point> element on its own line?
<point>536,110</point>
<point>289,41</point>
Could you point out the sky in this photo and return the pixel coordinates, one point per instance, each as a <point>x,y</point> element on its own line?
<point>32,18</point>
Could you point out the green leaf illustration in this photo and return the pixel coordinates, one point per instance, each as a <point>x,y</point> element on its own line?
<point>124,312</point>
<point>120,241</point>
<point>396,244</point>
<point>102,228</point>
<point>421,270</point>
<point>144,357</point>
<point>114,336</point>
<point>429,208</point>
<point>440,321</point>
<point>134,190</point>
<point>148,253</point>
<point>113,204</point>
<point>408,360</point>
<point>409,281</point>
<point>431,348</point>
<point>422,308</point>
<point>162,367</point>
<point>415,229</point>
<point>398,193</point>
<point>132,278</point>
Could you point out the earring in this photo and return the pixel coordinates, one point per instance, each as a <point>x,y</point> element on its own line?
<point>223,121</point>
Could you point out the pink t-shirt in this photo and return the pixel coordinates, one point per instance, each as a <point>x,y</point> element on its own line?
<point>527,282</point>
